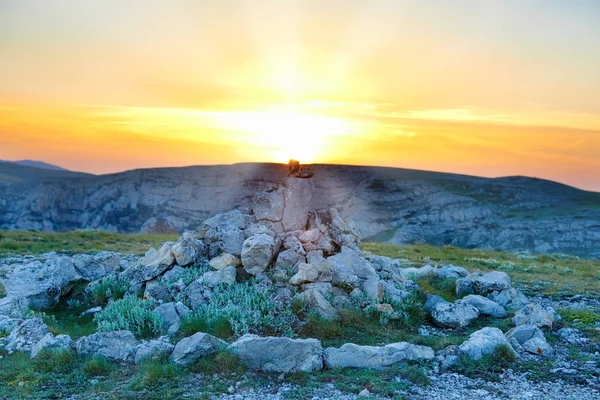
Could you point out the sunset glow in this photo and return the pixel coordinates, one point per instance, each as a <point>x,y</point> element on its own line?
<point>467,86</point>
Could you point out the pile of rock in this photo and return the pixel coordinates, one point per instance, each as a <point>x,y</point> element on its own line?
<point>284,242</point>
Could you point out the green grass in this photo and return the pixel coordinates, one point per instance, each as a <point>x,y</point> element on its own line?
<point>25,242</point>
<point>549,274</point>
<point>157,373</point>
<point>585,317</point>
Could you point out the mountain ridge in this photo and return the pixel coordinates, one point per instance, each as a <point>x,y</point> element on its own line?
<point>390,205</point>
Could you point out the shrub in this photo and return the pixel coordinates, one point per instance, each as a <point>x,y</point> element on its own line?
<point>54,361</point>
<point>130,313</point>
<point>197,322</point>
<point>248,307</point>
<point>97,366</point>
<point>153,373</point>
<point>108,288</point>
<point>321,328</point>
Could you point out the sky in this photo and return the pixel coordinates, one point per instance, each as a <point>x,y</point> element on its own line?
<point>488,88</point>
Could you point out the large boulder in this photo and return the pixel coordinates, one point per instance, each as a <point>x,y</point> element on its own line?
<point>297,197</point>
<point>489,282</point>
<point>536,315</point>
<point>450,271</point>
<point>188,251</point>
<point>529,339</point>
<point>279,354</point>
<point>484,305</point>
<point>152,265</point>
<point>453,315</point>
<point>224,233</point>
<point>26,335</point>
<point>94,267</point>
<point>258,252</point>
<point>153,348</point>
<point>482,342</point>
<point>268,205</point>
<point>353,356</point>
<point>52,343</point>
<point>433,300</point>
<point>115,346</point>
<point>39,284</point>
<point>192,348</point>
<point>316,302</point>
<point>349,268</point>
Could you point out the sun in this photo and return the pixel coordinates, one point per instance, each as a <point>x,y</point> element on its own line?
<point>285,134</point>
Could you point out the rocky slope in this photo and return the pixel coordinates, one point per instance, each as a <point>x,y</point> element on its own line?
<point>388,204</point>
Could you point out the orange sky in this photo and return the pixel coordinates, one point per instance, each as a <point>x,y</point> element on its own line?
<point>484,88</point>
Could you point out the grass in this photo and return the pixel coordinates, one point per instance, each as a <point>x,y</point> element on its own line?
<point>25,242</point>
<point>549,274</point>
<point>489,366</point>
<point>584,317</point>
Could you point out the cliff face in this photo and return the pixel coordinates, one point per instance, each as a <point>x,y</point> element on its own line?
<point>388,205</point>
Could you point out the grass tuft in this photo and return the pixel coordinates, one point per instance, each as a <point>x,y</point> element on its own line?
<point>130,313</point>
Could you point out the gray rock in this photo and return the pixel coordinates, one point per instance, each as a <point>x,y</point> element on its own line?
<point>482,342</point>
<point>152,265</point>
<point>268,205</point>
<point>212,279</point>
<point>198,293</point>
<point>297,197</point>
<point>155,291</point>
<point>279,354</point>
<point>484,284</point>
<point>464,287</point>
<point>335,229</point>
<point>289,258</point>
<point>431,301</point>
<point>8,324</point>
<point>40,285</point>
<point>373,288</point>
<point>511,298</point>
<point>91,311</point>
<point>94,267</point>
<point>225,260</point>
<point>13,307</point>
<point>353,356</point>
<point>291,242</point>
<point>153,348</point>
<point>324,288</point>
<point>171,313</point>
<point>529,338</point>
<point>258,252</point>
<point>395,290</point>
<point>52,343</point>
<point>314,256</point>
<point>310,240</point>
<point>450,271</point>
<point>536,315</point>
<point>484,305</point>
<point>192,348</point>
<point>457,315</point>
<point>308,273</point>
<point>116,346</point>
<point>26,335</point>
<point>188,251</point>
<point>349,268</point>
<point>315,301</point>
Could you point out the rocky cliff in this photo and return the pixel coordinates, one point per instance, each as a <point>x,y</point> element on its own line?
<point>388,204</point>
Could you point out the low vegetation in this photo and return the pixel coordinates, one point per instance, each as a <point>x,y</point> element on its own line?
<point>132,314</point>
<point>26,242</point>
<point>547,274</point>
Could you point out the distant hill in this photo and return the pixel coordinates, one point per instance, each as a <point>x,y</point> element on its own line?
<point>39,164</point>
<point>390,205</point>
<point>13,172</point>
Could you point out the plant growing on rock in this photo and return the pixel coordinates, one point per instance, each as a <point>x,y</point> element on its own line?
<point>132,314</point>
